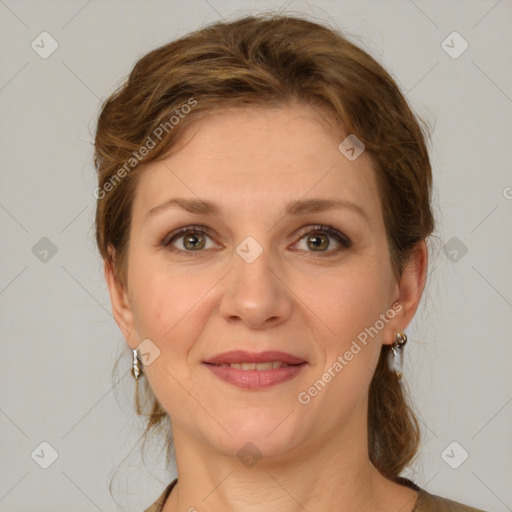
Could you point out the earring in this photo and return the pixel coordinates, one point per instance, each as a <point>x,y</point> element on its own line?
<point>137,367</point>
<point>396,359</point>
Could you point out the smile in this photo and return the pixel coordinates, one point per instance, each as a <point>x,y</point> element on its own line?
<point>256,376</point>
<point>255,370</point>
<point>271,365</point>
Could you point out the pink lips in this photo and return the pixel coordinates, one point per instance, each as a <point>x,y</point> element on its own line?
<point>255,379</point>
<point>241,356</point>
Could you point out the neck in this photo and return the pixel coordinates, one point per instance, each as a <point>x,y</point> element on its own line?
<point>321,477</point>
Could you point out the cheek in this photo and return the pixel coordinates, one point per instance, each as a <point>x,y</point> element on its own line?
<point>167,314</point>
<point>161,297</point>
<point>349,301</point>
<point>171,310</point>
<point>353,316</point>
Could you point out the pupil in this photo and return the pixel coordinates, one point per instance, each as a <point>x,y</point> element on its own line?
<point>190,240</point>
<point>318,242</point>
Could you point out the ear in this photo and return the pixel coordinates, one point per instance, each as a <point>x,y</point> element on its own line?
<point>410,288</point>
<point>121,308</point>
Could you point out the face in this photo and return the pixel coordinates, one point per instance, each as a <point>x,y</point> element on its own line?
<point>274,268</point>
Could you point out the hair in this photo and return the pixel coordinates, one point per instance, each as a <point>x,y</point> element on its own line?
<point>271,61</point>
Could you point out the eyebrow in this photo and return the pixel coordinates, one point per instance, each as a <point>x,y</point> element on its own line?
<point>294,208</point>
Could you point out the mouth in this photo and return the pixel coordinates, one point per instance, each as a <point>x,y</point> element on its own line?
<point>244,357</point>
<point>255,371</point>
<point>270,365</point>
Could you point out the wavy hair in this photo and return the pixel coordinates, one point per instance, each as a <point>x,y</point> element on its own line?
<point>271,60</point>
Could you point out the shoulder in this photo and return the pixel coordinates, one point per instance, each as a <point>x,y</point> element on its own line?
<point>430,502</point>
<point>427,502</point>
<point>158,505</point>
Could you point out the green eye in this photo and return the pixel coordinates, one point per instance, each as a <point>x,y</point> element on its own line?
<point>319,236</point>
<point>194,239</point>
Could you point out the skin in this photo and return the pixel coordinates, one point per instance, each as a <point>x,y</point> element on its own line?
<point>295,297</point>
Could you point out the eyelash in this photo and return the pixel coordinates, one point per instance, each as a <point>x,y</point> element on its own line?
<point>317,229</point>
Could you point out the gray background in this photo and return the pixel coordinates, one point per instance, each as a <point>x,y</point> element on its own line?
<point>58,338</point>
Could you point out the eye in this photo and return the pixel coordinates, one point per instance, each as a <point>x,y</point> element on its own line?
<point>318,238</point>
<point>192,240</point>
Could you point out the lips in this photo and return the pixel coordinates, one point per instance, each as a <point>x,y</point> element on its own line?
<point>255,370</point>
<point>240,357</point>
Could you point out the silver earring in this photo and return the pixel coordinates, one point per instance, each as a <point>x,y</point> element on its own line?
<point>137,367</point>
<point>396,359</point>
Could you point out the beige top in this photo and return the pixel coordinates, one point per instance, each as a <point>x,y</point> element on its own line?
<point>425,503</point>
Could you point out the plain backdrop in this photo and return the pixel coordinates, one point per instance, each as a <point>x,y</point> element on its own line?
<point>58,338</point>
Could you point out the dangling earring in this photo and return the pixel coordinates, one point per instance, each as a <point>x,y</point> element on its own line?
<point>137,367</point>
<point>396,359</point>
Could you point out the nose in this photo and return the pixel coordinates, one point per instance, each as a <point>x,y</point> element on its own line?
<point>255,292</point>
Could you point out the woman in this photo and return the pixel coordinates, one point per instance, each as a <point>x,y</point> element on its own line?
<point>263,209</point>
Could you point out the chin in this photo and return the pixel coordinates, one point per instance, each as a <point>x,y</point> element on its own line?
<point>258,432</point>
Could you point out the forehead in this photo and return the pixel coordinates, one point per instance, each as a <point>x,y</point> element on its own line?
<point>263,157</point>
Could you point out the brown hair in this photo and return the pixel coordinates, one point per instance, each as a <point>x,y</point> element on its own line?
<point>270,60</point>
